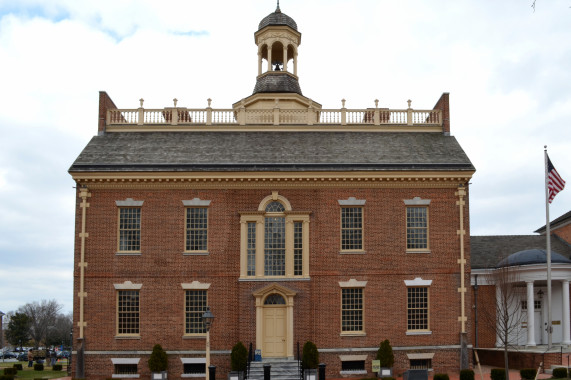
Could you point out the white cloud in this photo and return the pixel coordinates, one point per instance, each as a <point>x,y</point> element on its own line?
<point>505,66</point>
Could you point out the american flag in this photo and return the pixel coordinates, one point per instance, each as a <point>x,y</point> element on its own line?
<point>554,181</point>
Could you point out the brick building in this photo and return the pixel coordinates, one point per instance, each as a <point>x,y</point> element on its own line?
<point>293,223</point>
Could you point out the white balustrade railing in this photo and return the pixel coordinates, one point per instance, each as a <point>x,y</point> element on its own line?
<point>275,116</point>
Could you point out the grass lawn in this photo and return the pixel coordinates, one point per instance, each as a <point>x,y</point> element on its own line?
<point>29,373</point>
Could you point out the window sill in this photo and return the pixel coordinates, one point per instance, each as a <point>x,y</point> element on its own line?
<point>195,253</point>
<point>194,336</point>
<point>254,279</point>
<point>353,252</point>
<point>134,253</point>
<point>419,333</point>
<point>115,376</point>
<point>123,337</point>
<point>185,375</point>
<point>418,251</point>
<point>353,333</point>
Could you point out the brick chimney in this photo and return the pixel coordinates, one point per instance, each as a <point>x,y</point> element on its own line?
<point>105,103</point>
<point>443,105</point>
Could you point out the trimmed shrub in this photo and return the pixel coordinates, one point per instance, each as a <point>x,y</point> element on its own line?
<point>498,374</point>
<point>559,373</point>
<point>158,361</point>
<point>441,376</point>
<point>385,354</point>
<point>527,373</point>
<point>57,367</point>
<point>38,367</point>
<point>6,377</point>
<point>388,378</point>
<point>10,371</point>
<point>18,366</point>
<point>239,357</point>
<point>310,356</point>
<point>467,374</point>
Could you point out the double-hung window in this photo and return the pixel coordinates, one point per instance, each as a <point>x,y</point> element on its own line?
<point>128,309</point>
<point>418,306</point>
<point>417,225</point>
<point>196,226</point>
<point>352,225</point>
<point>129,226</point>
<point>352,307</point>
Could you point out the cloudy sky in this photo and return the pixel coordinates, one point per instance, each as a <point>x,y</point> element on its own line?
<point>506,66</point>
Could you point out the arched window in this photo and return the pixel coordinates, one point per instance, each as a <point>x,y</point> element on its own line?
<point>274,299</point>
<point>275,240</point>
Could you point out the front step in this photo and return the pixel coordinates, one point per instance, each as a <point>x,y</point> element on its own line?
<point>281,369</point>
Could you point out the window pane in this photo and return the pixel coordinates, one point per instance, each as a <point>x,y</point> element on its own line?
<point>275,207</point>
<point>125,369</point>
<point>195,307</point>
<point>351,228</point>
<point>251,248</point>
<point>129,229</point>
<point>128,312</point>
<point>416,228</point>
<point>351,309</point>
<point>197,229</point>
<point>274,246</point>
<point>298,248</point>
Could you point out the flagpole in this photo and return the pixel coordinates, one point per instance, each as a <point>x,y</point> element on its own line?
<point>548,240</point>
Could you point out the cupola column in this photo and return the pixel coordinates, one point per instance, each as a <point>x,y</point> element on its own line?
<point>269,58</point>
<point>259,63</point>
<point>285,57</point>
<point>530,315</point>
<point>295,62</point>
<point>565,295</point>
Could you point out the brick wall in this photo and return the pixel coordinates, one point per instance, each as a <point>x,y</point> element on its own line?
<point>161,268</point>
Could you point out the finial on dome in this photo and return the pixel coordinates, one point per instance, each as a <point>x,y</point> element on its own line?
<point>278,10</point>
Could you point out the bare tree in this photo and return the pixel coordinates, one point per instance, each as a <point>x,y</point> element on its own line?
<point>42,314</point>
<point>506,316</point>
<point>59,332</point>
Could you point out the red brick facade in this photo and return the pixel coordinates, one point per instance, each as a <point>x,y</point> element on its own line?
<point>161,268</point>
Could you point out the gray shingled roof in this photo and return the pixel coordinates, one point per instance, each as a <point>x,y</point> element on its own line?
<point>276,82</point>
<point>562,220</point>
<point>532,256</point>
<point>488,251</point>
<point>271,151</point>
<point>277,18</point>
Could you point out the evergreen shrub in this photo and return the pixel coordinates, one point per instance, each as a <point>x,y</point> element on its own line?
<point>527,373</point>
<point>158,361</point>
<point>559,373</point>
<point>38,367</point>
<point>239,357</point>
<point>467,374</point>
<point>10,371</point>
<point>18,366</point>
<point>498,374</point>
<point>385,354</point>
<point>441,376</point>
<point>57,367</point>
<point>310,355</point>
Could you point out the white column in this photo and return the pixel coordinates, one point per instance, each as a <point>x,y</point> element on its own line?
<point>498,302</point>
<point>530,315</point>
<point>565,303</point>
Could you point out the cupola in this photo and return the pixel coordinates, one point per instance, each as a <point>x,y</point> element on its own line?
<point>278,40</point>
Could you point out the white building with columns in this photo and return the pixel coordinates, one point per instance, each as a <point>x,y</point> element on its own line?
<point>528,305</point>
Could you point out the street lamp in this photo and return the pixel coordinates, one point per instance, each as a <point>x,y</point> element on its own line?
<point>2,335</point>
<point>207,318</point>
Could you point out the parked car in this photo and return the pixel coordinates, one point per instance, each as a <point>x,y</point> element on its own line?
<point>8,355</point>
<point>23,356</point>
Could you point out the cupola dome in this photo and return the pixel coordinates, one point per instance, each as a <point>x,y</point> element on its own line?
<point>277,18</point>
